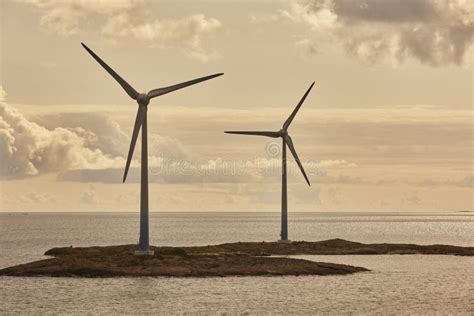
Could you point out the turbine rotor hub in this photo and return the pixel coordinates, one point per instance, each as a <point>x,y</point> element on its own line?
<point>283,132</point>
<point>143,99</point>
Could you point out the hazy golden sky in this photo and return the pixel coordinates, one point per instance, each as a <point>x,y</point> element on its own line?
<point>387,127</point>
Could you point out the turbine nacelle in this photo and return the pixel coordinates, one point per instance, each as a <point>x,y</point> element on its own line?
<point>283,132</point>
<point>143,99</point>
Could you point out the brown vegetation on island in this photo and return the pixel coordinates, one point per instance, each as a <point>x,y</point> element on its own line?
<point>332,247</point>
<point>232,259</point>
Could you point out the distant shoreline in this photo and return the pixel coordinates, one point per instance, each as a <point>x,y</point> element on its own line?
<point>349,213</point>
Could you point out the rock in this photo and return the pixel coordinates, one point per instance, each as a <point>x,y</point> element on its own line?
<point>232,259</point>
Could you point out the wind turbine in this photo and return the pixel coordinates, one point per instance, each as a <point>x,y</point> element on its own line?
<point>286,141</point>
<point>143,99</point>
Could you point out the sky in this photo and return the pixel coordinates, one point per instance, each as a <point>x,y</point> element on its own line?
<point>387,127</point>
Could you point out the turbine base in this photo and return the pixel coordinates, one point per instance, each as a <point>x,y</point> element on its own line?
<point>144,253</point>
<point>284,241</point>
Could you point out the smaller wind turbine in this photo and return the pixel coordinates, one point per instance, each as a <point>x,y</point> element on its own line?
<point>143,99</point>
<point>286,141</point>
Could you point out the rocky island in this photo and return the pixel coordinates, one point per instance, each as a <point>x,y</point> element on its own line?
<point>232,259</point>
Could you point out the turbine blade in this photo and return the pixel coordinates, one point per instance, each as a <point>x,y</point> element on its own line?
<point>160,91</point>
<point>268,134</point>
<point>128,88</point>
<point>289,142</point>
<point>293,114</point>
<point>138,123</point>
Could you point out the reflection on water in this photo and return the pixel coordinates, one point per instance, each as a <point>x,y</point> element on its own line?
<point>397,284</point>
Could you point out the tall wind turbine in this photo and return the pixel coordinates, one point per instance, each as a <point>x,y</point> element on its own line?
<point>141,122</point>
<point>286,141</point>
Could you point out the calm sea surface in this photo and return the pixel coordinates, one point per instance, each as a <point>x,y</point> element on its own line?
<point>408,284</point>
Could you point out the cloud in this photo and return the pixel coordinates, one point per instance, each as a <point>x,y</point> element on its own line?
<point>128,20</point>
<point>217,171</point>
<point>263,19</point>
<point>100,131</point>
<point>465,182</point>
<point>3,94</point>
<point>187,33</point>
<point>332,143</point>
<point>96,129</point>
<point>334,195</point>
<point>306,48</point>
<point>334,164</point>
<point>187,170</point>
<point>88,197</point>
<point>91,147</point>
<point>413,198</point>
<point>37,198</point>
<point>28,149</point>
<point>57,143</point>
<point>68,17</point>
<point>166,147</point>
<point>433,32</point>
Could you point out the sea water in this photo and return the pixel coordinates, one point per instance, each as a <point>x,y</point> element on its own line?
<point>401,284</point>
